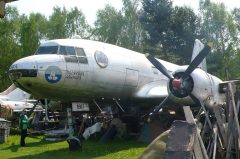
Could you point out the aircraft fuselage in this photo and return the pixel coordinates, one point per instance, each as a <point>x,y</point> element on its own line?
<point>71,70</point>
<point>82,69</point>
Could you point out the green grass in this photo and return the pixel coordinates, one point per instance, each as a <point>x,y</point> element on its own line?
<point>37,148</point>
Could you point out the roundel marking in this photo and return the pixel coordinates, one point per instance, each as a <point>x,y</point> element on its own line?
<point>53,74</point>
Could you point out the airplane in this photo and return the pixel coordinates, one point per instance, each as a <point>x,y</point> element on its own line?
<point>79,71</point>
<point>13,101</point>
<point>71,70</point>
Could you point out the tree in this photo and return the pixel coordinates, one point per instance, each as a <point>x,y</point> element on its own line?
<point>108,26</point>
<point>57,24</point>
<point>9,43</point>
<point>122,27</point>
<point>76,24</point>
<point>219,28</point>
<point>29,36</point>
<point>170,31</point>
<point>132,32</point>
<point>41,24</point>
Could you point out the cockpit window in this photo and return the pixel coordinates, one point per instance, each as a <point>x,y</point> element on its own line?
<point>47,50</point>
<point>67,50</point>
<point>82,58</point>
<point>71,51</point>
<point>62,50</point>
<point>80,52</point>
<point>74,54</point>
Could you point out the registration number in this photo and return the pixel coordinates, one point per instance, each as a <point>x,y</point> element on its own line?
<point>78,106</point>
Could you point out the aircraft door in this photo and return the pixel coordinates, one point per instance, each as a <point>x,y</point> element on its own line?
<point>131,78</point>
<point>84,67</point>
<point>72,66</point>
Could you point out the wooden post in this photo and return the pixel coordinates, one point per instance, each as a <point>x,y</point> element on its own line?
<point>199,148</point>
<point>2,9</point>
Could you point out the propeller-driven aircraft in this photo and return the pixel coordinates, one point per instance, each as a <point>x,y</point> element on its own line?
<point>77,70</point>
<point>80,71</point>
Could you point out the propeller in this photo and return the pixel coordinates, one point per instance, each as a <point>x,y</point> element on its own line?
<point>181,83</point>
<point>197,60</point>
<point>159,66</point>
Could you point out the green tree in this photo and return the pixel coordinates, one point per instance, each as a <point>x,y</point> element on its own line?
<point>57,24</point>
<point>41,24</point>
<point>76,24</point>
<point>108,25</point>
<point>219,28</point>
<point>170,31</point>
<point>29,36</point>
<point>9,43</point>
<point>132,32</point>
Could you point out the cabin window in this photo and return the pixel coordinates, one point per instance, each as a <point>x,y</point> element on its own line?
<point>101,59</point>
<point>82,58</point>
<point>47,50</point>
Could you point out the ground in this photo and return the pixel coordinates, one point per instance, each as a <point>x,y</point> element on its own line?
<point>37,148</point>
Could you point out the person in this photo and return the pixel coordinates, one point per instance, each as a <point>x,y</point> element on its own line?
<point>24,125</point>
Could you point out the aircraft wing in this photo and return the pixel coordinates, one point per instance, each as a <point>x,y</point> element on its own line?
<point>157,89</point>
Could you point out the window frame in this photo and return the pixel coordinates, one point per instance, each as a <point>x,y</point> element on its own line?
<point>81,59</point>
<point>57,50</point>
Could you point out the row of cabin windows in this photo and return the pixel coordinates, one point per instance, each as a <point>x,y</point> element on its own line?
<point>64,50</point>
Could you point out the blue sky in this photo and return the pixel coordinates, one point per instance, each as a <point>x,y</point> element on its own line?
<point>89,7</point>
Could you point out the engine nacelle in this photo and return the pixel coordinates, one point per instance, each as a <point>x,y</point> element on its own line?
<point>203,86</point>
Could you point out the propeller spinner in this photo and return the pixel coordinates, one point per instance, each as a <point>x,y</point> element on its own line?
<point>181,84</point>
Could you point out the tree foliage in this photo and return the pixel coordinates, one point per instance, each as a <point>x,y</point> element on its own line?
<point>9,43</point>
<point>120,27</point>
<point>108,25</point>
<point>171,31</point>
<point>76,24</point>
<point>219,28</point>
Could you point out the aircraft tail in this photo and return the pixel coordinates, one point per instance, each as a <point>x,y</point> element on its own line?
<point>14,94</point>
<point>10,89</point>
<point>198,46</point>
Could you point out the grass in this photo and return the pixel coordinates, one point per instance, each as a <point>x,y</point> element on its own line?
<point>37,148</point>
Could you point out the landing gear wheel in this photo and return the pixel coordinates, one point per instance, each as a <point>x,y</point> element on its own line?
<point>74,143</point>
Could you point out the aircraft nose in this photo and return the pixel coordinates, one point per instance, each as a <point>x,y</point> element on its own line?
<point>22,68</point>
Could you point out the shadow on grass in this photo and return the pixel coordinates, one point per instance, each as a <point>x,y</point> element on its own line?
<point>91,149</point>
<point>15,145</point>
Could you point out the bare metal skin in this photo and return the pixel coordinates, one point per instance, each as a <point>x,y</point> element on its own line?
<point>110,72</point>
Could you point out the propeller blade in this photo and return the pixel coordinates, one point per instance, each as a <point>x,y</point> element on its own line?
<point>196,101</point>
<point>197,60</point>
<point>156,110</point>
<point>159,66</point>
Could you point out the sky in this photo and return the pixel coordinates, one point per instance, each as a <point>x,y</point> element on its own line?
<point>90,7</point>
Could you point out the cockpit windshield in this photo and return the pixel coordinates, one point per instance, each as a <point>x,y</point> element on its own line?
<point>47,50</point>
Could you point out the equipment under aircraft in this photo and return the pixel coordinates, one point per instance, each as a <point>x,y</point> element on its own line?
<point>81,71</point>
